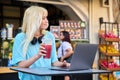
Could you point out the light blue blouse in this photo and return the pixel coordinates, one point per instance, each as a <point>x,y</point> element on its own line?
<point>17,56</point>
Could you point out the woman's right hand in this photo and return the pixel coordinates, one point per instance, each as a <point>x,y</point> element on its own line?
<point>42,51</point>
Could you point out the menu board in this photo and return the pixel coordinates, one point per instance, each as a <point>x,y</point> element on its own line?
<point>76,29</point>
<point>55,31</point>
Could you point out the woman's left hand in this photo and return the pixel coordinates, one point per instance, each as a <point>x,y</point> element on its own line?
<point>65,64</point>
<point>61,64</point>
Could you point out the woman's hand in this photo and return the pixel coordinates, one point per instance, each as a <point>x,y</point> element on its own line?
<point>42,51</point>
<point>61,64</point>
<point>65,64</point>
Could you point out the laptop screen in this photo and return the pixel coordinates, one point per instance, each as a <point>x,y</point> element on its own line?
<point>83,56</point>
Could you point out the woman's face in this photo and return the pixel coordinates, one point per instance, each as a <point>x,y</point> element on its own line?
<point>61,36</point>
<point>44,23</point>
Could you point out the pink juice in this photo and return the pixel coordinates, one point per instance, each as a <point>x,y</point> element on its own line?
<point>48,50</point>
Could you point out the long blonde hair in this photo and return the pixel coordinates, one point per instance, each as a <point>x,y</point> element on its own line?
<point>31,23</point>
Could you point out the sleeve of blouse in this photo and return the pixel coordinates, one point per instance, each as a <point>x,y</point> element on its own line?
<point>17,54</point>
<point>67,45</point>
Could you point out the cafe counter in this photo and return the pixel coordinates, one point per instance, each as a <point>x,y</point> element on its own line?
<point>7,74</point>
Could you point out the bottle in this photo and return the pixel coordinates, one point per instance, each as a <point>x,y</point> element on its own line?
<point>9,31</point>
<point>3,33</point>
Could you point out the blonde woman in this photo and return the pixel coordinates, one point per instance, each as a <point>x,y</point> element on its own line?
<point>27,49</point>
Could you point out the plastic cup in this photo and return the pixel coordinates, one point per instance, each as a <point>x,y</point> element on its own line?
<point>47,43</point>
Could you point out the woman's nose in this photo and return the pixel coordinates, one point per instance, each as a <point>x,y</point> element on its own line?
<point>46,20</point>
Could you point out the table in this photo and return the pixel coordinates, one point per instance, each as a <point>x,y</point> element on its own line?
<point>4,70</point>
<point>7,74</point>
<point>48,72</point>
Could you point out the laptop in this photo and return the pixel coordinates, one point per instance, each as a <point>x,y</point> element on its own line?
<point>82,58</point>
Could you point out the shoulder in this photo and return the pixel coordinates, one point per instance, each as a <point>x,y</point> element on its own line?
<point>50,35</point>
<point>65,43</point>
<point>20,35</point>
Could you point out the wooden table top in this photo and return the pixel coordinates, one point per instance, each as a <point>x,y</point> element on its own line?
<point>6,70</point>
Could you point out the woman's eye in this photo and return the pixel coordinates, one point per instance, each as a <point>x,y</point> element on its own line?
<point>44,17</point>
